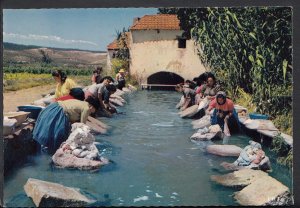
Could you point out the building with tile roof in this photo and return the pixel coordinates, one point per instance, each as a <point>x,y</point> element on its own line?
<point>158,52</point>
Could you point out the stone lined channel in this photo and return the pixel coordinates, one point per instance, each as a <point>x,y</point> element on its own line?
<point>154,161</point>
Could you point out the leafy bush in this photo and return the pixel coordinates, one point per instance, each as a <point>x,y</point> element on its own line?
<point>287,160</point>
<point>279,146</point>
<point>253,45</point>
<point>118,64</point>
<point>284,123</point>
<point>284,152</point>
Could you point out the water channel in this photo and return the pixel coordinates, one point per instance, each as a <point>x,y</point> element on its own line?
<point>154,163</point>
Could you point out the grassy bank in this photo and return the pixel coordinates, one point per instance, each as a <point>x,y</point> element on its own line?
<point>18,81</point>
<point>284,122</point>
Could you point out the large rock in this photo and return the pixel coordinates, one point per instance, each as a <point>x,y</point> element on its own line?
<point>118,97</point>
<point>125,89</point>
<point>47,194</point>
<point>239,178</point>
<point>224,150</point>
<point>264,191</point>
<point>116,101</point>
<point>202,122</point>
<point>119,92</point>
<point>189,112</point>
<point>67,160</point>
<point>260,124</point>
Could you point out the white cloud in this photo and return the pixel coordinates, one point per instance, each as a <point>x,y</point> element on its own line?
<point>46,37</point>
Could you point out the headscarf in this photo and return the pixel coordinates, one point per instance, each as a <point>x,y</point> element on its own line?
<point>221,94</point>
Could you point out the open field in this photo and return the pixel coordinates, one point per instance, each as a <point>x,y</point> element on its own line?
<point>59,57</point>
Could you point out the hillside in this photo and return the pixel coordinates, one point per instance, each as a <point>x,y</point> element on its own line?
<point>22,54</point>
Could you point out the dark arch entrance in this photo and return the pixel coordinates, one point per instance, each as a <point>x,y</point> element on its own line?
<point>164,78</point>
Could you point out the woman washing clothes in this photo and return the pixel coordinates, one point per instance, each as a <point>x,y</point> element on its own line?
<point>96,77</point>
<point>120,77</point>
<point>200,81</point>
<point>188,94</point>
<point>109,90</point>
<point>98,92</point>
<point>53,123</point>
<point>64,84</point>
<point>210,89</point>
<point>223,112</point>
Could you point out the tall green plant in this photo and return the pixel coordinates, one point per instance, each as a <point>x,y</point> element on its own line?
<point>253,45</point>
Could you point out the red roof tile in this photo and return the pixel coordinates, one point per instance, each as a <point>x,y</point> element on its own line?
<point>159,21</point>
<point>113,45</point>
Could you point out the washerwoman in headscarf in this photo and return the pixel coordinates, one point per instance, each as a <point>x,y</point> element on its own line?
<point>223,110</point>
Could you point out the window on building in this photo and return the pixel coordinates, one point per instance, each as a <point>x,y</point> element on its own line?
<point>181,43</point>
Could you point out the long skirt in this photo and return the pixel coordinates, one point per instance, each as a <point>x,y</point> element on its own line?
<point>52,127</point>
<point>233,121</point>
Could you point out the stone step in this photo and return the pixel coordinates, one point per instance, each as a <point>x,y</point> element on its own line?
<point>263,191</point>
<point>48,194</point>
<point>239,178</point>
<point>224,150</point>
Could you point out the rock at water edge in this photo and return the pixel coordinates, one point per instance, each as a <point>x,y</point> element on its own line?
<point>224,150</point>
<point>65,160</point>
<point>47,194</point>
<point>239,178</point>
<point>189,112</point>
<point>264,191</point>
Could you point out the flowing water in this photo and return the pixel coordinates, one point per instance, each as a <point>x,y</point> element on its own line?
<point>154,163</point>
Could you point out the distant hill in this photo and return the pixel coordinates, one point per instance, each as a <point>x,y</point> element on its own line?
<point>18,47</point>
<point>30,54</point>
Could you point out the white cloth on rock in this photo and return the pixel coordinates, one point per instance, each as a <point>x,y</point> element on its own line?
<point>207,133</point>
<point>79,145</point>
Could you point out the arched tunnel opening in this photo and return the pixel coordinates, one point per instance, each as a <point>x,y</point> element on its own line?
<point>164,78</point>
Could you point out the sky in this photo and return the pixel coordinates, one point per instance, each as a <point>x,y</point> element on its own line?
<point>87,29</point>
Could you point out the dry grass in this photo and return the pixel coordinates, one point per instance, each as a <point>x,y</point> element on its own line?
<point>17,81</point>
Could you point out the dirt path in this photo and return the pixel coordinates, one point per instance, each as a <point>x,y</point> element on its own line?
<point>24,97</point>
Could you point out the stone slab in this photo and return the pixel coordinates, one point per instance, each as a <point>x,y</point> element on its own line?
<point>224,150</point>
<point>239,178</point>
<point>64,160</point>
<point>48,194</point>
<point>263,191</point>
<point>189,112</point>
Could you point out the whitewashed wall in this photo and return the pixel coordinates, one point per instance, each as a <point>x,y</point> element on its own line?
<point>149,57</point>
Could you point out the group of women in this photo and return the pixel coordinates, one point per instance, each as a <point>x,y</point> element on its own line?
<point>73,104</point>
<point>205,88</point>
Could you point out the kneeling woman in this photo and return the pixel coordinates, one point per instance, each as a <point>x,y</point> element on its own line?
<point>53,124</point>
<point>224,111</point>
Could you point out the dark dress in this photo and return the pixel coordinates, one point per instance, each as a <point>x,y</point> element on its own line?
<point>52,127</point>
<point>121,82</point>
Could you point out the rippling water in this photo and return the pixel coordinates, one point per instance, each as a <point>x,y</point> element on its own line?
<point>154,163</point>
